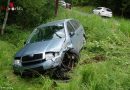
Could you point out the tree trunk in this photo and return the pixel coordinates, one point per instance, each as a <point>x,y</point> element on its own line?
<point>56,7</point>
<point>5,19</point>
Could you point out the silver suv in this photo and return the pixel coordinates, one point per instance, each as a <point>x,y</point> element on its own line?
<point>51,45</point>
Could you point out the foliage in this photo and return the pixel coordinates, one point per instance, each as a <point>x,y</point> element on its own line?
<point>33,13</point>
<point>104,64</point>
<point>83,9</point>
<point>13,35</point>
<point>119,7</point>
<point>2,11</point>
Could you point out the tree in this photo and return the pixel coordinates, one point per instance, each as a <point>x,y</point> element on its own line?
<point>5,19</point>
<point>34,12</point>
<point>56,7</point>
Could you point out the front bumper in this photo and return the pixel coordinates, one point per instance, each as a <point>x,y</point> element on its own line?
<point>47,64</point>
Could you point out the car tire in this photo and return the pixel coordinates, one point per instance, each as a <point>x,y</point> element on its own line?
<point>69,61</point>
<point>16,73</point>
<point>99,14</point>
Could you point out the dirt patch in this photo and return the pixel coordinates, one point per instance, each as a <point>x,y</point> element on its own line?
<point>95,59</point>
<point>99,58</point>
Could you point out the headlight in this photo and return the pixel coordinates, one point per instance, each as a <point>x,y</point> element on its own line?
<point>56,54</point>
<point>17,62</point>
<point>51,55</point>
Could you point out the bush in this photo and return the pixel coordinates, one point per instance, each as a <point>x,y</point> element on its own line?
<point>34,12</point>
<point>15,35</point>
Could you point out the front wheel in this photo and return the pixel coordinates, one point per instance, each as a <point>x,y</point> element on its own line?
<point>99,14</point>
<point>70,60</point>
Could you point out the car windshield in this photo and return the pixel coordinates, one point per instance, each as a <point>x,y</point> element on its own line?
<point>46,33</point>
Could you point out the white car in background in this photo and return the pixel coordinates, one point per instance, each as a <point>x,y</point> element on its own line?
<point>103,11</point>
<point>64,4</point>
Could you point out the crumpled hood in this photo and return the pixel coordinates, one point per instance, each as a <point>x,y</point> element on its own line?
<point>53,45</point>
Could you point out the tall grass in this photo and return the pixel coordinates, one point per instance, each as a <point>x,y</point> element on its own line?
<point>104,64</point>
<point>125,26</point>
<point>84,9</point>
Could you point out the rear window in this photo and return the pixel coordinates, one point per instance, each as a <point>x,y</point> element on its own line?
<point>108,9</point>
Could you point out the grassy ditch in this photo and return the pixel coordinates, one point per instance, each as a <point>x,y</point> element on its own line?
<point>104,63</point>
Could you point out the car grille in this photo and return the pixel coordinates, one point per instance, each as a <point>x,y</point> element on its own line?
<point>32,63</point>
<point>31,57</point>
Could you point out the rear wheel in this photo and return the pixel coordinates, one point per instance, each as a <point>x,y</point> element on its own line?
<point>84,39</point>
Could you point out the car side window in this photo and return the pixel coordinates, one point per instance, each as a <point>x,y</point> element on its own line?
<point>75,24</point>
<point>70,27</point>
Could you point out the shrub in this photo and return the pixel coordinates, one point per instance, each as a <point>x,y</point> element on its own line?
<point>34,12</point>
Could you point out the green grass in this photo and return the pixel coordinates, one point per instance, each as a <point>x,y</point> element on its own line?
<point>84,9</point>
<point>104,64</point>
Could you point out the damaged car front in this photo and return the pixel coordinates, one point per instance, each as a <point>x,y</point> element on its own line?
<point>43,50</point>
<point>55,45</point>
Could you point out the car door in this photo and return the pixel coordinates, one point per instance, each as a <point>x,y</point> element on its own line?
<point>104,11</point>
<point>98,10</point>
<point>79,31</point>
<point>73,36</point>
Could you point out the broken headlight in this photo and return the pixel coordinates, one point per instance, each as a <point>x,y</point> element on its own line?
<point>51,55</point>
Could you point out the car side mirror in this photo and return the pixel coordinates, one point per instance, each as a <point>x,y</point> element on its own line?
<point>72,33</point>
